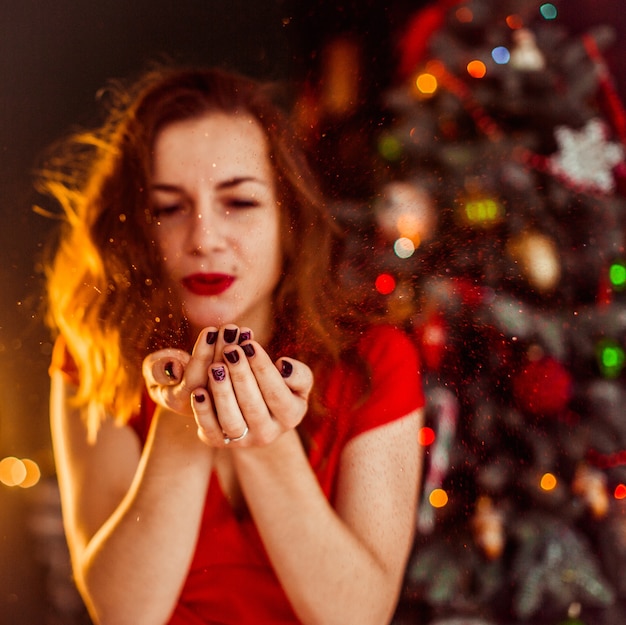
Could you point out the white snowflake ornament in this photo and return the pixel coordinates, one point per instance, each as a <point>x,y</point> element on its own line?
<point>585,157</point>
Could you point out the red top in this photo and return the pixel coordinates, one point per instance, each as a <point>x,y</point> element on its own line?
<point>231,581</point>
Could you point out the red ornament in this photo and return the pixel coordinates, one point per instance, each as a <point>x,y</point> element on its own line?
<point>543,387</point>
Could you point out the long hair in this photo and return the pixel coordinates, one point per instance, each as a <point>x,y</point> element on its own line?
<point>106,293</point>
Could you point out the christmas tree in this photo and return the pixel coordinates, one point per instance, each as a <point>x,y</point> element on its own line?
<point>498,241</point>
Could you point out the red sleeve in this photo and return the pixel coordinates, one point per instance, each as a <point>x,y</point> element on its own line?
<point>395,379</point>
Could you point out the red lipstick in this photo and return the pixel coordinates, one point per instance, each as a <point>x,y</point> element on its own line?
<point>207,283</point>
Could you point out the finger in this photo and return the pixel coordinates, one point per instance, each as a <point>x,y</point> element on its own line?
<point>285,405</point>
<point>165,367</point>
<point>297,376</point>
<point>201,357</point>
<point>228,413</point>
<point>209,430</point>
<point>228,335</point>
<point>249,397</point>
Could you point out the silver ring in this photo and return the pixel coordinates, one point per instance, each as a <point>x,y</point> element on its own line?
<point>228,441</point>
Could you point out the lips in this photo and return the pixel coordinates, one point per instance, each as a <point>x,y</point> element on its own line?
<point>207,283</point>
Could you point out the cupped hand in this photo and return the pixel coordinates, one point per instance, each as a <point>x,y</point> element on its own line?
<point>250,400</point>
<point>171,375</point>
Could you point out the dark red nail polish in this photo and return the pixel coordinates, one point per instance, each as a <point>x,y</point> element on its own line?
<point>232,357</point>
<point>211,337</point>
<point>199,398</point>
<point>286,369</point>
<point>230,335</point>
<point>244,336</point>
<point>248,350</point>
<point>219,374</point>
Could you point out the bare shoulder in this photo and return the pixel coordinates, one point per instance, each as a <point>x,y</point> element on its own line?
<point>93,476</point>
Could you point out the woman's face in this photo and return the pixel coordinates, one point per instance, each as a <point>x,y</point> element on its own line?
<point>216,221</point>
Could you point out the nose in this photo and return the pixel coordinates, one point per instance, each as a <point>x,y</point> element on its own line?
<point>206,230</point>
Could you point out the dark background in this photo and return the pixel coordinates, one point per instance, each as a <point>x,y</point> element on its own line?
<point>54,57</point>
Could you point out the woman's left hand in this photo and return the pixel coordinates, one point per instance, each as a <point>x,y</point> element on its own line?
<point>250,400</point>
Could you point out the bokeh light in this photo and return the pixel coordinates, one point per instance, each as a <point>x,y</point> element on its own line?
<point>426,436</point>
<point>426,83</point>
<point>390,148</point>
<point>404,247</point>
<point>617,275</point>
<point>438,498</point>
<point>501,55</point>
<point>611,358</point>
<point>620,491</point>
<point>19,472</point>
<point>476,69</point>
<point>514,22</point>
<point>482,211</point>
<point>548,481</point>
<point>385,284</point>
<point>548,11</point>
<point>464,15</point>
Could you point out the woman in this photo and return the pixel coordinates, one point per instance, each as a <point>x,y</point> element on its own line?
<point>201,481</point>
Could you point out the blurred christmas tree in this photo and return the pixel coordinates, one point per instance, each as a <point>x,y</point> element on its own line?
<point>499,239</point>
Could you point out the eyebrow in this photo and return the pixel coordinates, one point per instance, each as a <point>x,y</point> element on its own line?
<point>226,184</point>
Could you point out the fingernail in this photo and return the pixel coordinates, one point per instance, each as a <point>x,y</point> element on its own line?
<point>199,398</point>
<point>244,336</point>
<point>230,335</point>
<point>169,370</point>
<point>211,337</point>
<point>248,350</point>
<point>219,374</point>
<point>286,369</point>
<point>232,357</point>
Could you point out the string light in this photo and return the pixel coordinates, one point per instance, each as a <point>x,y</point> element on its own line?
<point>514,22</point>
<point>404,247</point>
<point>620,491</point>
<point>476,69</point>
<point>426,436</point>
<point>617,275</point>
<point>501,55</point>
<point>611,357</point>
<point>385,284</point>
<point>426,83</point>
<point>548,481</point>
<point>438,498</point>
<point>548,11</point>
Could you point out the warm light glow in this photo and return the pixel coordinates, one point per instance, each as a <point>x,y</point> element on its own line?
<point>476,69</point>
<point>438,498</point>
<point>620,491</point>
<point>548,481</point>
<point>426,84</point>
<point>12,471</point>
<point>16,472</point>
<point>514,22</point>
<point>33,474</point>
<point>385,284</point>
<point>426,436</point>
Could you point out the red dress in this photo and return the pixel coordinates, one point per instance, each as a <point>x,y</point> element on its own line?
<point>231,581</point>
